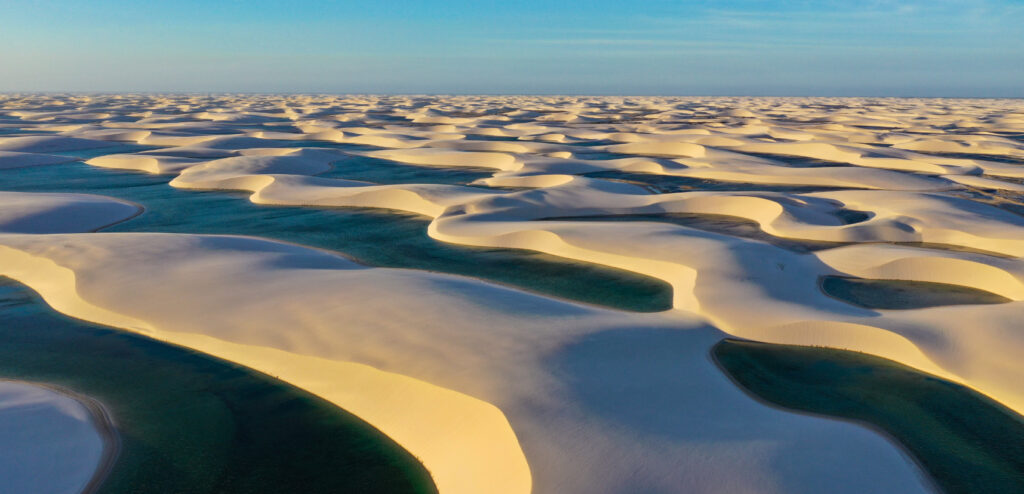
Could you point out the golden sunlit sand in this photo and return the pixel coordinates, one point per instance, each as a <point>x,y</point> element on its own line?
<point>498,390</point>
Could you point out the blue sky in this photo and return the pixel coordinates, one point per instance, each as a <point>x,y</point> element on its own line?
<point>732,47</point>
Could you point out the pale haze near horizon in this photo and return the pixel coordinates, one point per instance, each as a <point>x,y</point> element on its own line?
<point>970,48</point>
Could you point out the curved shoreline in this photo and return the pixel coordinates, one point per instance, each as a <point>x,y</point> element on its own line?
<point>927,479</point>
<point>414,434</point>
<point>271,310</point>
<point>139,212</point>
<point>102,420</point>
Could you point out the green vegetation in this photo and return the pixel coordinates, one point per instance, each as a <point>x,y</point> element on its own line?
<point>967,442</point>
<point>192,423</point>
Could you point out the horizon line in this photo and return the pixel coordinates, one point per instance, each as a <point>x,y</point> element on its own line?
<point>435,94</point>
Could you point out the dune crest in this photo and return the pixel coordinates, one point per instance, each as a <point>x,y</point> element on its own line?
<point>745,206</point>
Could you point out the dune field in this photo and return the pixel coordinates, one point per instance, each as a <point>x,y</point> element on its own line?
<point>889,227</point>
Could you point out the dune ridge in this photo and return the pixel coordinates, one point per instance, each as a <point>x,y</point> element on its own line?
<point>460,373</point>
<point>915,190</point>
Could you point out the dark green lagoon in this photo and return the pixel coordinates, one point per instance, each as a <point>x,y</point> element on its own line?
<point>373,236</point>
<point>904,294</point>
<point>966,442</point>
<point>192,423</point>
<point>381,171</point>
<point>666,184</point>
<point>734,226</point>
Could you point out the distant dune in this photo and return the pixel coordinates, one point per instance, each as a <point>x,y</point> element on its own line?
<point>742,205</point>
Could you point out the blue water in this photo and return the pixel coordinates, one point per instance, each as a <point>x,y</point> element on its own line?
<point>375,237</point>
<point>664,184</point>
<point>378,171</point>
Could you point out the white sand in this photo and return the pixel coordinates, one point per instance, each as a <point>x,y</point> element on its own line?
<point>22,212</point>
<point>49,443</point>
<point>500,391</point>
<point>431,374</point>
<point>10,159</point>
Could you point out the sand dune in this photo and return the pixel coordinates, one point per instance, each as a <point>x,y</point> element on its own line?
<point>60,213</point>
<point>10,159</point>
<point>51,443</point>
<point>742,205</point>
<point>144,162</point>
<point>49,144</point>
<point>431,375</point>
